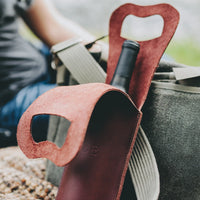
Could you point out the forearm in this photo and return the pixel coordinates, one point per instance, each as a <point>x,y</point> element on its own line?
<point>50,26</point>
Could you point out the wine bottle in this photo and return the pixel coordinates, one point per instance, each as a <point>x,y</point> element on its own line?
<point>125,65</point>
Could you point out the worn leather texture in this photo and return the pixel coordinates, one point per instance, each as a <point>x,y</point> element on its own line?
<point>100,138</point>
<point>99,167</point>
<point>150,50</point>
<point>104,121</point>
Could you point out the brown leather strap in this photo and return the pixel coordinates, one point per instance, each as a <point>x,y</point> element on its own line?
<point>150,51</point>
<point>75,103</point>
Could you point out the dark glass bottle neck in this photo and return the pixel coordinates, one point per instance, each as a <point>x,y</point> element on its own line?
<point>126,63</point>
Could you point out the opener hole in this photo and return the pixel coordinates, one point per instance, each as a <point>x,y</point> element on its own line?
<point>50,127</point>
<point>142,29</point>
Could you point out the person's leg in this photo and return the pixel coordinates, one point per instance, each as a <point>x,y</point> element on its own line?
<point>11,112</point>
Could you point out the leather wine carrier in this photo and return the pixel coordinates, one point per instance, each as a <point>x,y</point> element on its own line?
<point>104,138</point>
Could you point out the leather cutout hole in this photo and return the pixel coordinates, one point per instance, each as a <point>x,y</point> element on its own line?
<point>50,127</point>
<point>142,29</point>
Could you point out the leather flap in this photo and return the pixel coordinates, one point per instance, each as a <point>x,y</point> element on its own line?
<point>75,103</point>
<point>150,51</point>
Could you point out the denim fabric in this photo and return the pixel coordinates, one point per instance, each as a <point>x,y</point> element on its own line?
<point>11,112</point>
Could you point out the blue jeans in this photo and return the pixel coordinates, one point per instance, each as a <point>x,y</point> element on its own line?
<point>12,111</point>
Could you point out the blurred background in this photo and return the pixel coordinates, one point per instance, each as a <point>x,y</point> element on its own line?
<point>94,16</point>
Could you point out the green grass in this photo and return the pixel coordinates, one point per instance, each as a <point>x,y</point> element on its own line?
<point>185,52</point>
